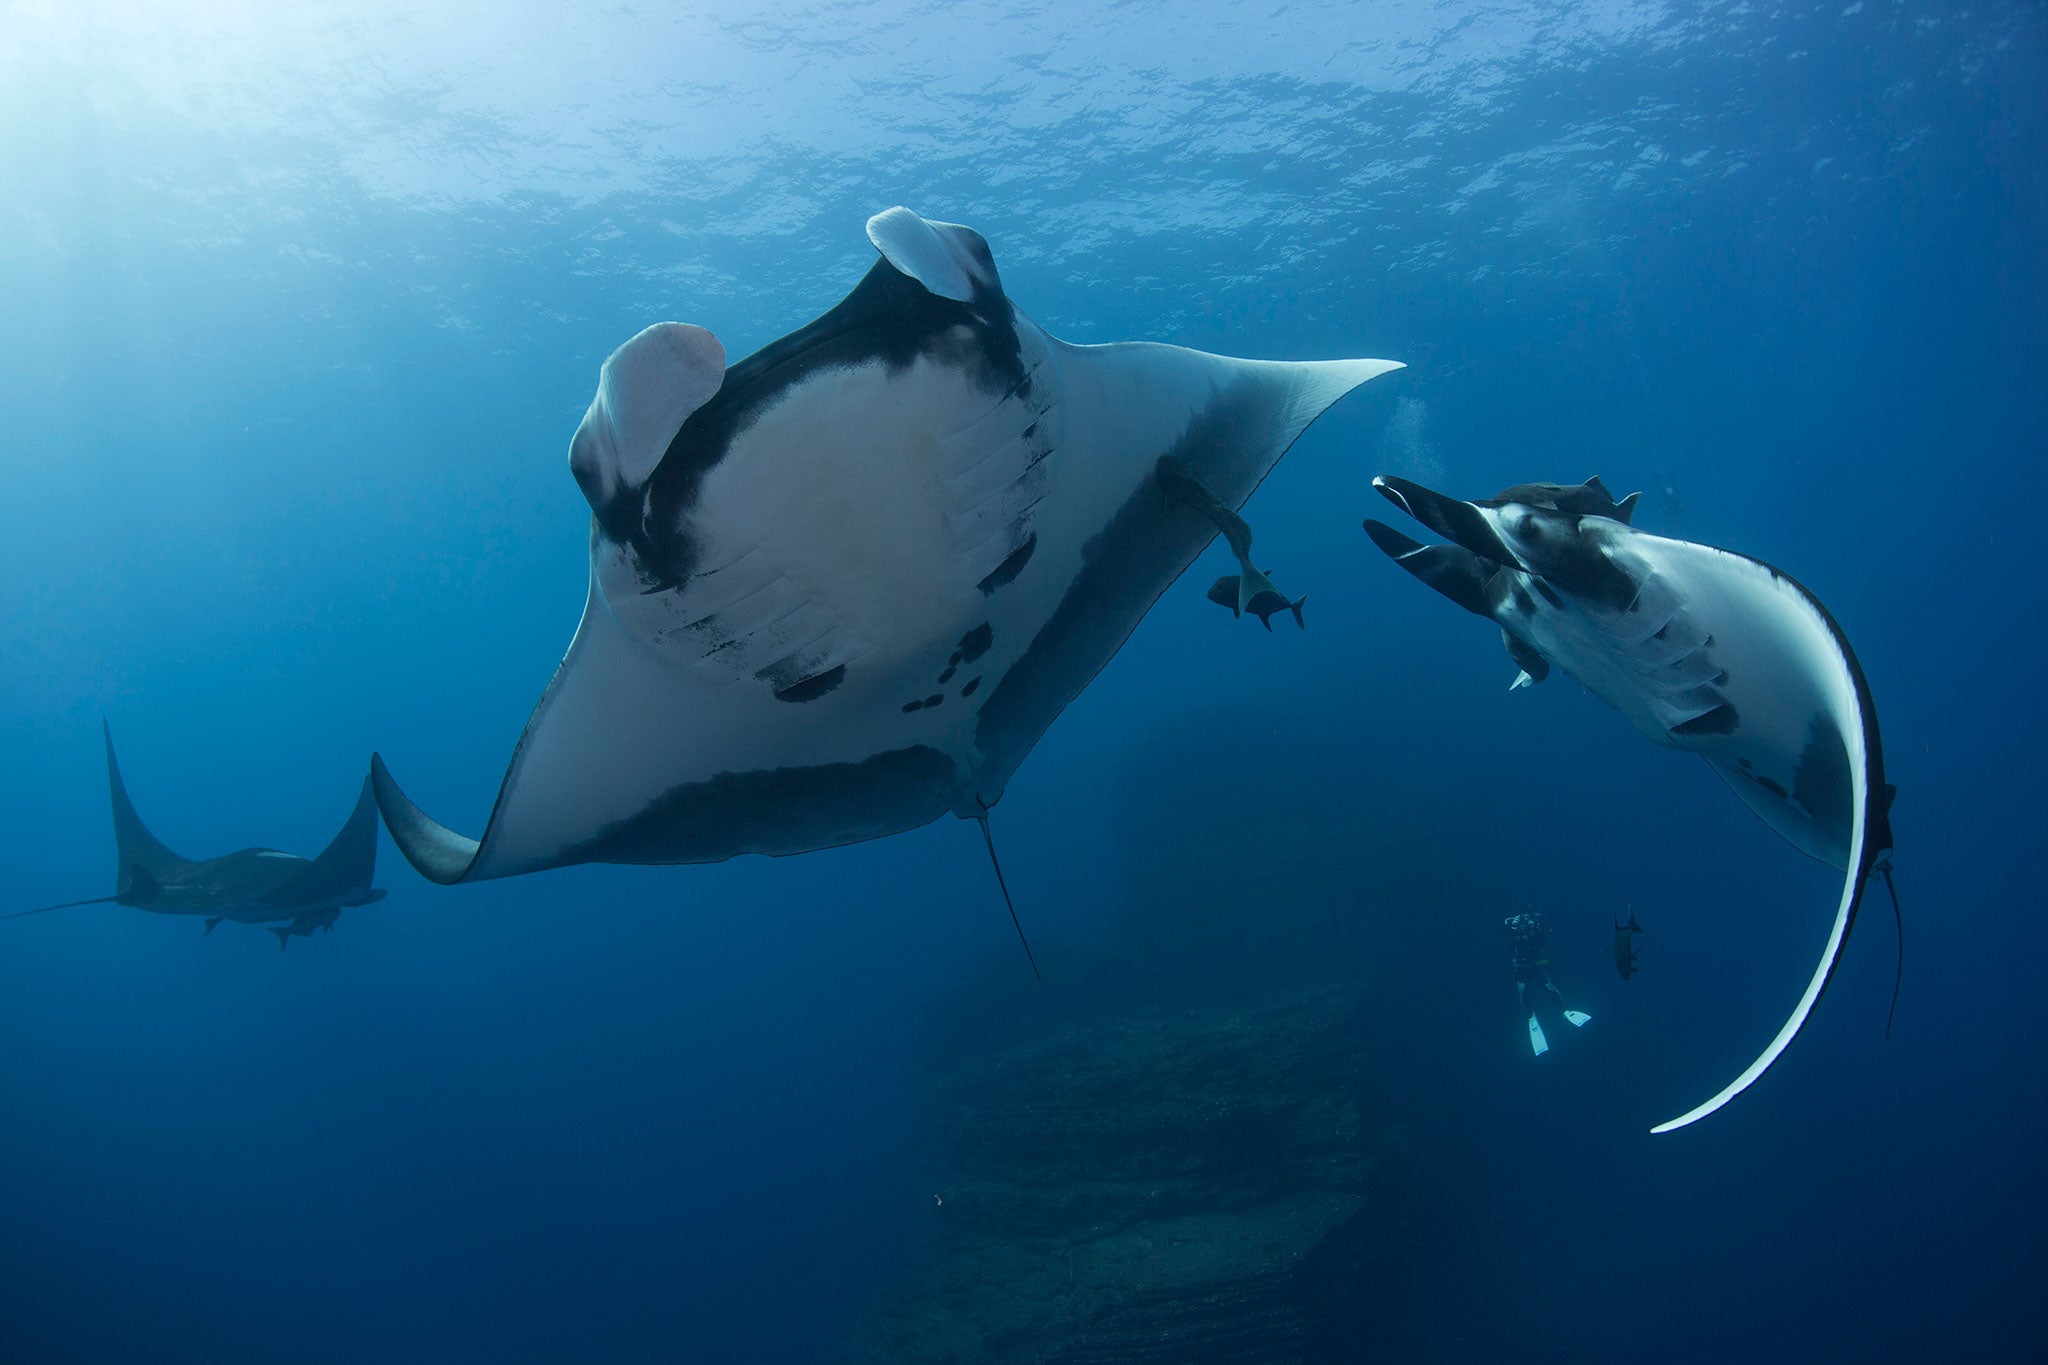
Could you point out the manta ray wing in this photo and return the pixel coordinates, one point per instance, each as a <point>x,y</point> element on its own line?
<point>1801,748</point>
<point>865,572</point>
<point>341,875</point>
<point>250,884</point>
<point>1702,649</point>
<point>134,845</point>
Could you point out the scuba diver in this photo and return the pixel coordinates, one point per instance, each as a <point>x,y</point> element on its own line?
<point>1529,937</point>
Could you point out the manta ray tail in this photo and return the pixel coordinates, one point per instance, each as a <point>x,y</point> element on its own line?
<point>989,840</point>
<point>1899,972</point>
<point>66,905</point>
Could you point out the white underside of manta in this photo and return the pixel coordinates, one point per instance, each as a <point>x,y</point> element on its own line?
<point>1704,650</point>
<point>843,587</point>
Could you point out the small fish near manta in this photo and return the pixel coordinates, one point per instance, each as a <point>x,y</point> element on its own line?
<point>843,586</point>
<point>1249,589</point>
<point>250,886</point>
<point>1703,649</point>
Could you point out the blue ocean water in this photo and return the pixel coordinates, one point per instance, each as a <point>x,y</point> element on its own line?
<point>303,307</point>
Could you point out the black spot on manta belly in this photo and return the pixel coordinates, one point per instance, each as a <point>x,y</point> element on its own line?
<point>1006,572</point>
<point>934,699</point>
<point>975,642</point>
<point>1722,720</point>
<point>967,689</point>
<point>910,706</point>
<point>810,689</point>
<point>947,676</point>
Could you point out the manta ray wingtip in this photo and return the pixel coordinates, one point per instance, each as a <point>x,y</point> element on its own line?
<point>436,852</point>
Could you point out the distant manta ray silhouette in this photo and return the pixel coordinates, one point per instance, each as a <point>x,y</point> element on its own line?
<point>249,886</point>
<point>843,586</point>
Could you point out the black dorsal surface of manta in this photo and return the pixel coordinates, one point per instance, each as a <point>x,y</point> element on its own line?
<point>1588,499</point>
<point>843,586</point>
<point>289,894</point>
<point>1625,945</point>
<point>1704,650</point>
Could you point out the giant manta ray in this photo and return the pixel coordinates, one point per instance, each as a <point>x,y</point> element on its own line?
<point>843,586</point>
<point>290,895</point>
<point>1703,649</point>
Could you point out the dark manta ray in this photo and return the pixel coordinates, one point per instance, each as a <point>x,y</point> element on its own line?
<point>1703,649</point>
<point>250,886</point>
<point>843,586</point>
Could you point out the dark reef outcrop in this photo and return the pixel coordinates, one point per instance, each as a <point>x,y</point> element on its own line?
<point>1212,1184</point>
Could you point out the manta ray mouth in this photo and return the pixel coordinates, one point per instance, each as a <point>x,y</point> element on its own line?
<point>1458,522</point>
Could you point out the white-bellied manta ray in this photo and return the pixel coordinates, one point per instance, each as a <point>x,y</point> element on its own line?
<point>1705,650</point>
<point>843,586</point>
<point>289,894</point>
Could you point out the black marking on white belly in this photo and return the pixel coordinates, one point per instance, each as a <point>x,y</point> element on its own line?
<point>1006,572</point>
<point>810,689</point>
<point>1720,720</point>
<point>779,810</point>
<point>973,645</point>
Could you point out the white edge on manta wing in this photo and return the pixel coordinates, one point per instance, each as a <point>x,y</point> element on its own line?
<point>1855,715</point>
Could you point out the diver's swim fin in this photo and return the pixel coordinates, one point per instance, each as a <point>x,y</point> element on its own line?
<point>1577,1018</point>
<point>1538,1044</point>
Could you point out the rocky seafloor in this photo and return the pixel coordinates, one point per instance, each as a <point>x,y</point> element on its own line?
<point>1191,1185</point>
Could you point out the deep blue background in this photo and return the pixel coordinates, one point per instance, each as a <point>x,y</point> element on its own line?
<point>284,482</point>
